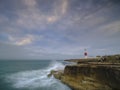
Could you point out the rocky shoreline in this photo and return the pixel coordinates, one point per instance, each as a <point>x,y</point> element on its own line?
<point>91,74</point>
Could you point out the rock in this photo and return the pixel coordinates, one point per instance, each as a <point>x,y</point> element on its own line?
<point>51,73</point>
<point>91,75</point>
<point>57,74</point>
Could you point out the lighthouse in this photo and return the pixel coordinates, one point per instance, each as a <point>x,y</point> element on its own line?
<point>85,53</point>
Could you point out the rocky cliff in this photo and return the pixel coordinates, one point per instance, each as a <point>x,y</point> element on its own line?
<point>91,76</point>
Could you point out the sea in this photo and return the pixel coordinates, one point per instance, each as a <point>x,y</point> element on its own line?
<point>30,75</point>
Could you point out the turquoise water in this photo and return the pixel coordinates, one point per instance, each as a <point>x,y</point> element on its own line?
<point>30,75</point>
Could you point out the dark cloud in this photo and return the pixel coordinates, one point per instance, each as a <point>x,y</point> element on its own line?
<point>10,6</point>
<point>58,27</point>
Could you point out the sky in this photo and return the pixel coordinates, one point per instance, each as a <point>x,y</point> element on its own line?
<point>58,29</point>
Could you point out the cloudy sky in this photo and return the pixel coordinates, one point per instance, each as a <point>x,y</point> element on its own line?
<point>58,29</point>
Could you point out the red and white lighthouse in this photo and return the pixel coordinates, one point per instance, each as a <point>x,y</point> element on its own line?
<point>85,53</point>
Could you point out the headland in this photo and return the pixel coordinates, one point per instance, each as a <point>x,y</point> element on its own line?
<point>99,73</point>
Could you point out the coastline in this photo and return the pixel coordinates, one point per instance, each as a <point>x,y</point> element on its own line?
<point>91,74</point>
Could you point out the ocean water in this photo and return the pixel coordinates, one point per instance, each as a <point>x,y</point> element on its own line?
<point>30,75</point>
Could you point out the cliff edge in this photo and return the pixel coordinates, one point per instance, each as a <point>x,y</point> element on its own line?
<point>90,75</point>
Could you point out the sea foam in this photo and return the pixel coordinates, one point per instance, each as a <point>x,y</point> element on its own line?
<point>37,79</point>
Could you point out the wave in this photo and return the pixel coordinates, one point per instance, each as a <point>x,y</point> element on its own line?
<point>35,79</point>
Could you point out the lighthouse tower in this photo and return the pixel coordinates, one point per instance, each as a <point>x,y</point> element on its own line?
<point>85,53</point>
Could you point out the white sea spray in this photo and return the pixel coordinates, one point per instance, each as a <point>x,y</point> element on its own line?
<point>37,79</point>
